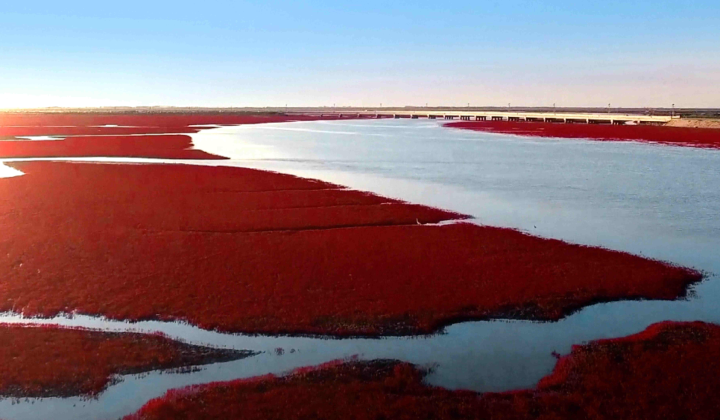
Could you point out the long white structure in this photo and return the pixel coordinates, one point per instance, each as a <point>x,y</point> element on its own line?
<point>584,118</point>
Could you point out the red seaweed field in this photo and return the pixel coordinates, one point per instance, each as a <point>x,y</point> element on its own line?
<point>678,136</point>
<point>243,250</point>
<point>49,362</point>
<point>667,372</point>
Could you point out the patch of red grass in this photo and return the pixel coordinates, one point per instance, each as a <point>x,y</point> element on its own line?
<point>250,251</point>
<point>158,146</point>
<point>679,136</point>
<point>130,136</point>
<point>46,361</point>
<point>8,132</point>
<point>667,372</point>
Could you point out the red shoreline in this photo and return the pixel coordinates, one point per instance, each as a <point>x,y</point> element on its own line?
<point>668,371</point>
<point>155,146</point>
<point>47,361</point>
<point>243,250</point>
<point>677,136</point>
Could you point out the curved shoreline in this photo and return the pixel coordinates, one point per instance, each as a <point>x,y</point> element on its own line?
<point>583,384</point>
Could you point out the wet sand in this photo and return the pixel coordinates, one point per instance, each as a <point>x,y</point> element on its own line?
<point>711,123</point>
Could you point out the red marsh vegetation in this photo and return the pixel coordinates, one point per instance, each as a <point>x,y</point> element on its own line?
<point>142,135</point>
<point>46,361</point>
<point>667,372</point>
<point>89,122</point>
<point>679,136</point>
<point>242,250</point>
<point>155,146</point>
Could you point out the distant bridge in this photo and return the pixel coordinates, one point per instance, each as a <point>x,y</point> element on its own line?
<point>568,118</point>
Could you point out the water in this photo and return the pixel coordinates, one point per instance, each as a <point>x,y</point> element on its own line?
<point>659,201</point>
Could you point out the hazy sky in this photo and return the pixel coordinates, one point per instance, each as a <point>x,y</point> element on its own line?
<point>272,53</point>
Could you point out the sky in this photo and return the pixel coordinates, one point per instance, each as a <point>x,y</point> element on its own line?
<point>631,53</point>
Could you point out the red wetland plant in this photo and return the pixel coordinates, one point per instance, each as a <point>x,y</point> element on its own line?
<point>156,146</point>
<point>45,361</point>
<point>242,250</point>
<point>667,372</point>
<point>116,135</point>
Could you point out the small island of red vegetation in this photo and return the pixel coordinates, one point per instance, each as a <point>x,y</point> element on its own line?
<point>242,250</point>
<point>56,123</point>
<point>679,136</point>
<point>670,371</point>
<point>61,362</point>
<point>148,146</point>
<point>116,135</point>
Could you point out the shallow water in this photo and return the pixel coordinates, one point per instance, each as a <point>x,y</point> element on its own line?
<point>659,201</point>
